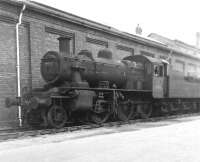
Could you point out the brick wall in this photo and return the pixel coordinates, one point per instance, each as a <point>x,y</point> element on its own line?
<point>8,66</point>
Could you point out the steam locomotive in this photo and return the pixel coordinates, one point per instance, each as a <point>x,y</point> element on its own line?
<point>83,88</point>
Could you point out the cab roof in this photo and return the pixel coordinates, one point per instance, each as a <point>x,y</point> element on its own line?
<point>144,59</point>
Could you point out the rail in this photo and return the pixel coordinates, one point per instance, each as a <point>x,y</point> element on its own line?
<point>11,134</point>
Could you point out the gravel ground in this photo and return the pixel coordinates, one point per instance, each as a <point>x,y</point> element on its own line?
<point>166,141</point>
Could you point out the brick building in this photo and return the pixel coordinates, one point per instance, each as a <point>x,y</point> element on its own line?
<point>41,27</point>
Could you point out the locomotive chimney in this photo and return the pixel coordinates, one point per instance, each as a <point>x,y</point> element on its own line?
<point>64,45</point>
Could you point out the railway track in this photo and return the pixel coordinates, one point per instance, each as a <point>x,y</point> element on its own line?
<point>11,134</point>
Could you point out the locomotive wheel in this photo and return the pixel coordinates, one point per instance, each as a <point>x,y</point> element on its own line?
<point>125,111</point>
<point>164,109</point>
<point>101,112</point>
<point>175,107</point>
<point>56,116</point>
<point>145,110</point>
<point>100,118</point>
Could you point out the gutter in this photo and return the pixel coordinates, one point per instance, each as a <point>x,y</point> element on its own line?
<point>18,65</point>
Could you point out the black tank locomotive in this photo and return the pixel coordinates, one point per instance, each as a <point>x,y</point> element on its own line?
<point>94,89</point>
<point>84,88</point>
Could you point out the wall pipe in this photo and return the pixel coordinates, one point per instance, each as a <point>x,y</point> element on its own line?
<point>18,65</point>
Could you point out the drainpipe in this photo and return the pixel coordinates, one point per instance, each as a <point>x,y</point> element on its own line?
<point>18,66</point>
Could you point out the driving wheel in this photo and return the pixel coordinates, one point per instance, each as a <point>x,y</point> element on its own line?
<point>56,116</point>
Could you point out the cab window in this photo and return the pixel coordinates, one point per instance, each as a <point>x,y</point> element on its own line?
<point>158,70</point>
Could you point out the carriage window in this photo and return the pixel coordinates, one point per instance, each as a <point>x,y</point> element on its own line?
<point>179,66</point>
<point>192,70</point>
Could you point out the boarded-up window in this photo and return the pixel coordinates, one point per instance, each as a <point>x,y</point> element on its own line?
<point>52,42</point>
<point>123,51</point>
<point>179,66</point>
<point>95,45</point>
<point>97,42</point>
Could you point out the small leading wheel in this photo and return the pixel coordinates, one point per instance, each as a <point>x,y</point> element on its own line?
<point>145,110</point>
<point>125,111</point>
<point>56,116</point>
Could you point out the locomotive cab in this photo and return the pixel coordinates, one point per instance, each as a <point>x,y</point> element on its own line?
<point>155,74</point>
<point>160,79</point>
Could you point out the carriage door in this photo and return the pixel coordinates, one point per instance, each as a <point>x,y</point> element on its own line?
<point>158,81</point>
